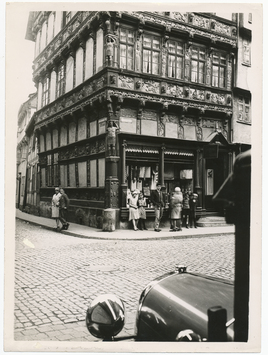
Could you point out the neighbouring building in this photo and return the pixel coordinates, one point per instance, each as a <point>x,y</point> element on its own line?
<point>127,99</point>
<point>27,198</point>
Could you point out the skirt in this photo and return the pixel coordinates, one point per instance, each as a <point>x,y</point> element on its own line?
<point>133,214</point>
<point>55,212</point>
<point>142,213</point>
<point>175,213</point>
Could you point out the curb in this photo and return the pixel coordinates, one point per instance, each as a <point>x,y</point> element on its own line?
<point>110,236</point>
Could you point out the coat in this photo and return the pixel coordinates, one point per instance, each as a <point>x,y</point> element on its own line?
<point>157,199</point>
<point>176,205</point>
<point>55,203</point>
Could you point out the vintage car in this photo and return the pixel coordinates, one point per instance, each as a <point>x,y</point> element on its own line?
<point>183,306</point>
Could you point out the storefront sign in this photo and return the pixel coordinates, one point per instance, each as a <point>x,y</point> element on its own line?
<point>211,151</point>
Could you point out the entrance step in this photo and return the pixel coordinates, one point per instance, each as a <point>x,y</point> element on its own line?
<point>211,221</point>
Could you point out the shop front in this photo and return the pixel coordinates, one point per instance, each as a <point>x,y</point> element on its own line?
<point>197,166</point>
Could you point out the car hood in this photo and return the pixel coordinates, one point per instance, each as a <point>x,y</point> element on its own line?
<point>180,301</point>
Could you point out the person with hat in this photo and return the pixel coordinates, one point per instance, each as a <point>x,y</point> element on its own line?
<point>193,202</point>
<point>64,204</point>
<point>133,209</point>
<point>176,208</point>
<point>55,209</point>
<point>157,200</point>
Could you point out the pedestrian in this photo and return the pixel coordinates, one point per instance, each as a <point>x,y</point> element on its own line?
<point>157,200</point>
<point>193,203</point>
<point>64,205</point>
<point>133,209</point>
<point>142,211</point>
<point>186,208</point>
<point>176,208</point>
<point>55,211</point>
<point>169,212</point>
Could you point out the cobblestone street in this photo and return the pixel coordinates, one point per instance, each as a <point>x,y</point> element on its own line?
<point>57,276</point>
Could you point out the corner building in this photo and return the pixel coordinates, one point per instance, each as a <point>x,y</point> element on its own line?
<point>127,99</point>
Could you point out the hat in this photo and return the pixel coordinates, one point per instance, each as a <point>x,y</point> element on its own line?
<point>136,191</point>
<point>177,189</point>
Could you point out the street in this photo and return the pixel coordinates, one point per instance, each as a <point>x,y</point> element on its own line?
<point>57,276</point>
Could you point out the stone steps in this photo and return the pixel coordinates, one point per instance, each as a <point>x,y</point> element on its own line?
<point>211,221</point>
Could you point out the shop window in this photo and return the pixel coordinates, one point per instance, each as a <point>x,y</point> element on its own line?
<point>126,49</point>
<point>69,74</point>
<point>60,81</point>
<point>151,54</point>
<point>89,61</point>
<point>175,60</point>
<point>79,66</point>
<point>56,169</point>
<point>49,170</point>
<point>244,109</point>
<point>142,177</point>
<point>219,70</point>
<point>45,92</point>
<point>246,52</point>
<point>82,174</point>
<point>198,65</point>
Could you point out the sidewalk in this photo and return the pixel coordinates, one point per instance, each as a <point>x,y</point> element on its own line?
<point>77,230</point>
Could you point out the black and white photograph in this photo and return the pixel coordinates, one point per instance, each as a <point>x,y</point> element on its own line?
<point>133,177</point>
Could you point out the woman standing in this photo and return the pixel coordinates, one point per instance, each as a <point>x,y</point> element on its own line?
<point>133,209</point>
<point>142,211</point>
<point>55,207</point>
<point>176,207</point>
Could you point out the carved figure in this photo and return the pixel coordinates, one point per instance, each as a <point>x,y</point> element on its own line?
<point>111,137</point>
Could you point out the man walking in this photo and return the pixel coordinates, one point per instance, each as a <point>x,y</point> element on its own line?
<point>64,204</point>
<point>157,200</point>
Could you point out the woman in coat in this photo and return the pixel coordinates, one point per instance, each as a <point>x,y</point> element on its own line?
<point>55,210</point>
<point>176,208</point>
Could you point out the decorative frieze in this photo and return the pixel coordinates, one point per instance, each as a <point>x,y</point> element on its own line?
<point>150,115</point>
<point>126,82</point>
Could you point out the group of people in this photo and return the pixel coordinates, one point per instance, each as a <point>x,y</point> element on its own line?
<point>60,204</point>
<point>182,209</point>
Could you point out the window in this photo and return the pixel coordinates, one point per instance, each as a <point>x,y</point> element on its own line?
<point>126,49</point>
<point>246,51</point>
<point>55,170</point>
<point>219,70</point>
<point>69,74</point>
<point>198,65</point>
<point>49,170</point>
<point>67,16</point>
<point>151,54</point>
<point>244,109</point>
<point>61,81</point>
<point>45,92</point>
<point>175,60</point>
<point>79,66</point>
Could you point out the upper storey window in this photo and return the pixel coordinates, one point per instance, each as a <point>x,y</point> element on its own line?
<point>60,81</point>
<point>175,60</point>
<point>151,54</point>
<point>219,70</point>
<point>45,92</point>
<point>126,49</point>
<point>198,65</point>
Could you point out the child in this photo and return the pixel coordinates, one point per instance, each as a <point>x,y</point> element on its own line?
<point>133,209</point>
<point>142,211</point>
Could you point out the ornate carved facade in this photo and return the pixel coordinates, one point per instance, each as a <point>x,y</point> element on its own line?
<point>106,81</point>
